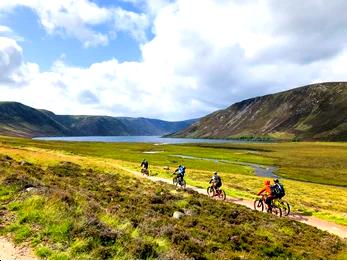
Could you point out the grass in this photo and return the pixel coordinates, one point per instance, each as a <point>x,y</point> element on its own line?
<point>317,162</point>
<point>326,201</point>
<point>85,205</point>
<point>119,216</point>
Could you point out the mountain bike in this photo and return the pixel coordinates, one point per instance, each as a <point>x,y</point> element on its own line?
<point>212,191</point>
<point>260,205</point>
<point>283,205</point>
<point>179,182</point>
<point>145,172</point>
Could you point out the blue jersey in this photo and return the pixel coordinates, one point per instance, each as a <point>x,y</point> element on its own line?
<point>181,170</point>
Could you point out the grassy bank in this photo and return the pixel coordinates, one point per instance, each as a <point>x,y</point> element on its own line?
<point>308,193</point>
<point>76,207</point>
<point>316,162</point>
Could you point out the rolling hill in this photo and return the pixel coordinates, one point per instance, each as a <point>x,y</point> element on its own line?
<point>312,112</point>
<point>17,119</point>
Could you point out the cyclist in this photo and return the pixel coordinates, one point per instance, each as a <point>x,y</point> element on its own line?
<point>216,181</point>
<point>278,189</point>
<point>144,165</point>
<point>180,171</point>
<point>269,196</point>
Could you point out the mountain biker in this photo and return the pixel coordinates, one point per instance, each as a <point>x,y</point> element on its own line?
<point>268,195</point>
<point>144,164</point>
<point>180,171</point>
<point>278,189</point>
<point>216,180</point>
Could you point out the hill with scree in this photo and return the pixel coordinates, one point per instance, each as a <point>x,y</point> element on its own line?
<point>313,112</point>
<point>17,119</point>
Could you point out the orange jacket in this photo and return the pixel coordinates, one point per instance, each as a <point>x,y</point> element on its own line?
<point>267,189</point>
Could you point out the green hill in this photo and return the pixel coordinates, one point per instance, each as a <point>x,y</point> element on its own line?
<point>17,119</point>
<point>313,112</point>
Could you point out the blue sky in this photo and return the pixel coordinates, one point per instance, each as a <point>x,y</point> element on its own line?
<point>168,59</point>
<point>44,48</point>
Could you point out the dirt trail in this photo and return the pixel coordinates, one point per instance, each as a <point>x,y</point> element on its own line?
<point>10,251</point>
<point>330,227</point>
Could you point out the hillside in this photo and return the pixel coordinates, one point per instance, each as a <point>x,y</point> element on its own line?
<point>17,119</point>
<point>312,112</point>
<point>75,207</point>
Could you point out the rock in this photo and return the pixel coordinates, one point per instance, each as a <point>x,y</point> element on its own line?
<point>189,212</point>
<point>166,168</point>
<point>178,215</point>
<point>29,189</point>
<point>25,163</point>
<point>234,238</point>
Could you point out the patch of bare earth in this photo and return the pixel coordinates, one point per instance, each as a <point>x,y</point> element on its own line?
<point>9,251</point>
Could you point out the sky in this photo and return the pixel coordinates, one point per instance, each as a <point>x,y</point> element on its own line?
<point>165,59</point>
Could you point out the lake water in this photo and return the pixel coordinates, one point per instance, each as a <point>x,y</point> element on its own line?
<point>147,139</point>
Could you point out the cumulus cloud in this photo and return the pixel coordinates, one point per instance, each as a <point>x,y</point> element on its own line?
<point>78,18</point>
<point>204,55</point>
<point>13,71</point>
<point>5,29</point>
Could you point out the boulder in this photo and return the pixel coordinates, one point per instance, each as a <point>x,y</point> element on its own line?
<point>178,215</point>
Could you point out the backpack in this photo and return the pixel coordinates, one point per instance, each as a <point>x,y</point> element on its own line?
<point>182,169</point>
<point>218,179</point>
<point>277,190</point>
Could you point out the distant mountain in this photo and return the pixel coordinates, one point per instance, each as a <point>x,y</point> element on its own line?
<point>312,112</point>
<point>17,119</point>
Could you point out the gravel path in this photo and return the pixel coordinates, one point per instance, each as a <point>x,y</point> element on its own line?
<point>9,251</point>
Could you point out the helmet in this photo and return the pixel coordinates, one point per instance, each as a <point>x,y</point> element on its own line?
<point>215,173</point>
<point>266,182</point>
<point>276,180</point>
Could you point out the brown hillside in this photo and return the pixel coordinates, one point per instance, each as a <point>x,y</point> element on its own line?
<point>312,112</point>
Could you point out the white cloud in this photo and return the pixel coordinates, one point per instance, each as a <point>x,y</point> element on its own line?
<point>13,72</point>
<point>205,55</point>
<point>77,19</point>
<point>5,29</point>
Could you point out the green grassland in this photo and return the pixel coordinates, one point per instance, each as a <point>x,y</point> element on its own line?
<point>73,212</point>
<point>84,205</point>
<point>315,173</point>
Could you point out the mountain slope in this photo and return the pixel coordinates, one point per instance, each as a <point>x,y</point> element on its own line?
<point>17,119</point>
<point>312,112</point>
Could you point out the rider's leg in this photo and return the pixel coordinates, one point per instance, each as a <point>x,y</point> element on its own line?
<point>268,202</point>
<point>218,189</point>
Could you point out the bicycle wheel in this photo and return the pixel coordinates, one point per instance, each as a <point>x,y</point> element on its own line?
<point>222,195</point>
<point>174,181</point>
<point>183,183</point>
<point>276,211</point>
<point>145,172</point>
<point>258,205</point>
<point>179,182</point>
<point>210,191</point>
<point>285,208</point>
